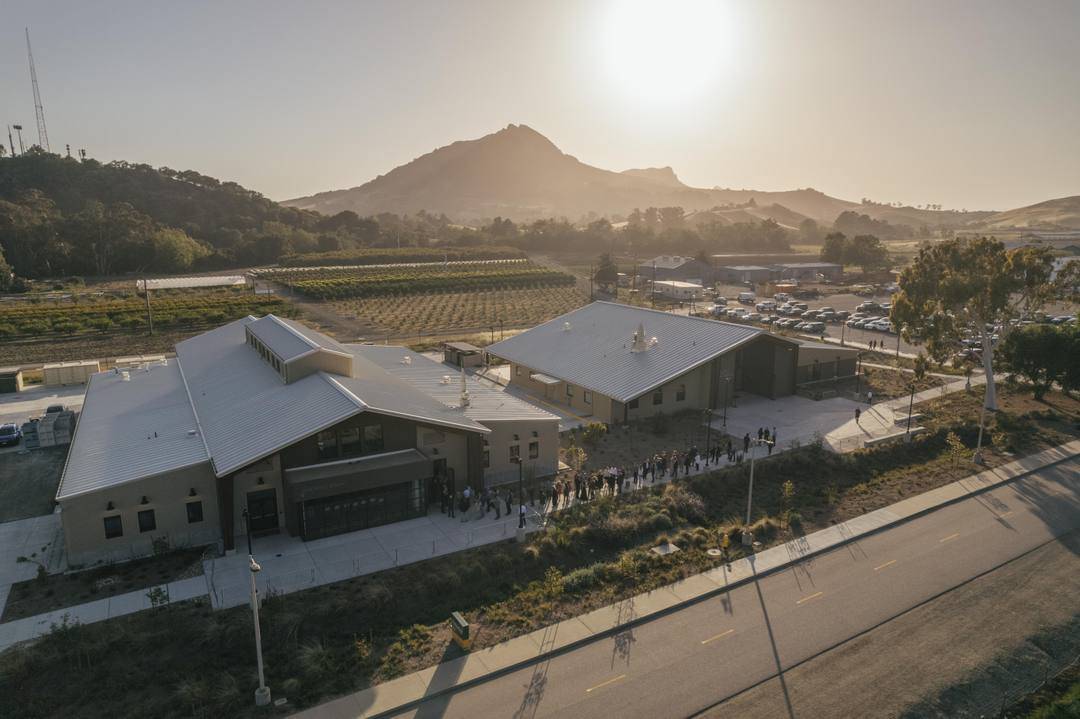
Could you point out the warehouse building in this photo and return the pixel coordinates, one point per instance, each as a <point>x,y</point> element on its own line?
<point>682,291</point>
<point>743,274</point>
<point>620,363</point>
<point>806,270</point>
<point>676,267</point>
<point>309,436</point>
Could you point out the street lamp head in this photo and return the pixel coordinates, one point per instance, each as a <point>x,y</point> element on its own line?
<point>254,567</point>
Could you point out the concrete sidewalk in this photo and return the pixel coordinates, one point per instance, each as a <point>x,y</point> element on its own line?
<point>408,691</point>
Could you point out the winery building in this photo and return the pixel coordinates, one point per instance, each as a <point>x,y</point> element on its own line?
<point>310,436</point>
<point>620,363</point>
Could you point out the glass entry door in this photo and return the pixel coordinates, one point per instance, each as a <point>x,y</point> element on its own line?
<point>262,510</point>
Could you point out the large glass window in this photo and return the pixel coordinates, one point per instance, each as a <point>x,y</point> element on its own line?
<point>373,439</point>
<point>194,512</point>
<point>569,390</point>
<point>327,442</point>
<point>114,527</point>
<point>587,396</point>
<point>634,403</point>
<point>680,394</point>
<point>147,522</point>
<point>658,397</point>
<point>517,370</point>
<point>515,452</point>
<point>534,450</point>
<point>350,441</point>
<point>487,458</point>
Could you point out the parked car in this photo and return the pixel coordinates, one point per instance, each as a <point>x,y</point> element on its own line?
<point>1061,319</point>
<point>754,317</point>
<point>54,408</point>
<point>862,324</point>
<point>856,318</point>
<point>869,307</point>
<point>10,433</point>
<point>747,298</point>
<point>827,309</point>
<point>827,316</point>
<point>717,310</point>
<point>802,306</point>
<point>781,297</point>
<point>765,306</point>
<point>813,327</point>
<point>738,313</point>
<point>969,355</point>
<point>811,314</point>
<point>843,315</point>
<point>798,326</point>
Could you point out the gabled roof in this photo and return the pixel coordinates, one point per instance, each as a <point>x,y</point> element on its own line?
<point>595,352</point>
<point>486,403</point>
<point>131,429</point>
<point>246,412</point>
<point>291,340</point>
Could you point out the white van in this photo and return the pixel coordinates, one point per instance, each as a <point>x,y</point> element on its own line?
<point>746,297</point>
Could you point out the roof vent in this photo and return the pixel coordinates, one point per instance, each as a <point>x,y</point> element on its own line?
<point>192,432</point>
<point>147,366</point>
<point>665,257</point>
<point>407,360</point>
<point>653,342</point>
<point>566,325</point>
<point>125,376</point>
<point>639,340</point>
<point>464,392</point>
<point>446,379</point>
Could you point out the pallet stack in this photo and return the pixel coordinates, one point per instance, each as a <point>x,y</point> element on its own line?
<point>49,430</point>
<point>30,435</point>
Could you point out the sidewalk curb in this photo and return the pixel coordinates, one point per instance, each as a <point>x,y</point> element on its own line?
<point>638,621</point>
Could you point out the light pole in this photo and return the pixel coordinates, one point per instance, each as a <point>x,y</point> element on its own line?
<point>747,536</point>
<point>708,436</point>
<point>726,395</point>
<point>521,520</point>
<point>262,694</point>
<point>911,403</point>
<point>858,372</point>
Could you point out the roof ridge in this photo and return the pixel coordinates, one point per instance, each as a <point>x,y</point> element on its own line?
<point>281,323</point>
<point>332,379</point>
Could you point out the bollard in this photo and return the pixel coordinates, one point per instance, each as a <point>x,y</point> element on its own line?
<point>395,556</point>
<point>433,546</point>
<point>504,529</point>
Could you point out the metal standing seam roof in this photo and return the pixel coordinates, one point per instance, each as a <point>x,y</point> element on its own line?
<point>487,404</point>
<point>290,340</point>
<point>595,352</point>
<point>669,262</point>
<point>247,412</point>
<point>115,440</point>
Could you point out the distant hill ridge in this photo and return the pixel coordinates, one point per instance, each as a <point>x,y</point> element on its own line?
<point>519,174</point>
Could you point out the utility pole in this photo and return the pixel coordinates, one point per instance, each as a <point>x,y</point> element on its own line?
<point>43,136</point>
<point>11,143</point>
<point>911,404</point>
<point>149,317</point>
<point>18,130</point>
<point>590,283</point>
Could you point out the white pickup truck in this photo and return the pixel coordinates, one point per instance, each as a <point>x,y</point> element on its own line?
<point>766,306</point>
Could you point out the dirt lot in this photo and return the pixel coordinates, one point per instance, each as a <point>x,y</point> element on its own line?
<point>30,480</point>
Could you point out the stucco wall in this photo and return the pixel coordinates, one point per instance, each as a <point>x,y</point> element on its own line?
<point>167,494</point>
<point>501,469</point>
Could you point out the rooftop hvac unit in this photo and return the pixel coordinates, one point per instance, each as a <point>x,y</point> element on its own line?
<point>125,376</point>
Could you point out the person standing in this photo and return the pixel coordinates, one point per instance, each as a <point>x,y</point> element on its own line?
<point>746,443</point>
<point>730,451</point>
<point>774,435</point>
<point>760,433</point>
<point>452,500</point>
<point>724,545</point>
<point>509,502</point>
<point>521,515</point>
<point>869,396</point>
<point>857,413</point>
<point>495,503</point>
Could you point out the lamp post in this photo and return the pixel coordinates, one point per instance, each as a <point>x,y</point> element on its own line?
<point>262,694</point>
<point>521,520</point>
<point>708,436</point>
<point>747,537</point>
<point>911,403</point>
<point>858,372</point>
<point>726,395</point>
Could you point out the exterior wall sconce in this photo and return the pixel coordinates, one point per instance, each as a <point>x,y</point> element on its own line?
<point>485,443</point>
<point>261,481</point>
<point>435,450</point>
<point>535,433</point>
<point>144,500</point>
<point>109,507</point>
<point>515,437</point>
<point>193,493</point>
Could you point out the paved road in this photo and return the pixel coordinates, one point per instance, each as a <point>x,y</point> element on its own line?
<point>691,661</point>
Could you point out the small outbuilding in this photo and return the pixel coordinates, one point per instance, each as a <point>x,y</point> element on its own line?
<point>462,354</point>
<point>11,380</point>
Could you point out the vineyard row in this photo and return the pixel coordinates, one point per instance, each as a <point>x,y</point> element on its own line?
<point>432,283</point>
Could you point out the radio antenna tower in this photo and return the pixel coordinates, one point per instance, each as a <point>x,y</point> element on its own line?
<point>43,136</point>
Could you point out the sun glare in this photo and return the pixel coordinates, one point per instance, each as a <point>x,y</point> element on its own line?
<point>667,50</point>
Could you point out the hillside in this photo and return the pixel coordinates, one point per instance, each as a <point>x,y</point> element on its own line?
<point>518,173</point>
<point>1062,213</point>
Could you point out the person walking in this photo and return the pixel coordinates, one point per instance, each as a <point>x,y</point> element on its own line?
<point>760,432</point>
<point>869,396</point>
<point>746,443</point>
<point>724,545</point>
<point>730,451</point>
<point>857,413</point>
<point>509,502</point>
<point>521,515</point>
<point>769,443</point>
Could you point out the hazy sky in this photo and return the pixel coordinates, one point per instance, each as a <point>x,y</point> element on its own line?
<point>965,104</point>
